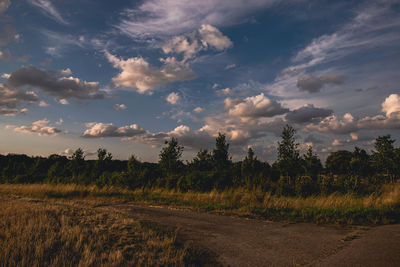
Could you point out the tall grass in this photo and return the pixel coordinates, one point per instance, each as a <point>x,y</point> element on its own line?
<point>36,233</point>
<point>378,208</point>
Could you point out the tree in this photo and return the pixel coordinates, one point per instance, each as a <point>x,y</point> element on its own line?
<point>77,163</point>
<point>288,153</point>
<point>338,162</point>
<point>250,168</point>
<point>203,161</point>
<point>312,164</point>
<point>220,153</point>
<point>384,156</point>
<point>360,163</point>
<point>104,160</point>
<point>170,156</point>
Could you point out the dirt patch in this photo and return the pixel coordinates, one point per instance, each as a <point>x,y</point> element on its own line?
<point>246,242</point>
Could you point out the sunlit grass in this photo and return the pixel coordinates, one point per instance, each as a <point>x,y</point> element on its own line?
<point>380,207</point>
<point>44,233</point>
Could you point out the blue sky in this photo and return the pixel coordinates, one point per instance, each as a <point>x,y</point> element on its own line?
<point>128,75</point>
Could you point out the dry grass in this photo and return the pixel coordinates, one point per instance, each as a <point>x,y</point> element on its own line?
<point>44,233</point>
<point>378,208</point>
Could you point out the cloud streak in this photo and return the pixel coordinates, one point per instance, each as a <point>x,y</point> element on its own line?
<point>49,10</point>
<point>165,18</point>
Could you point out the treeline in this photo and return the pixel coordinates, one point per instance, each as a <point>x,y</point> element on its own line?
<point>292,174</point>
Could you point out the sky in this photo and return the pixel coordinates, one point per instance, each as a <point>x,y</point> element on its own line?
<point>129,75</point>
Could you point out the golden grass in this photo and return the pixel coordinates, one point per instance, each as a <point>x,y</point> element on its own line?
<point>44,233</point>
<point>235,197</point>
<point>380,207</point>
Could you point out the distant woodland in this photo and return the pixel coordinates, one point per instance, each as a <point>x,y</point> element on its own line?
<point>291,174</point>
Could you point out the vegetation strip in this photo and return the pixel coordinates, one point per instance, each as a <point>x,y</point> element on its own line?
<point>383,208</point>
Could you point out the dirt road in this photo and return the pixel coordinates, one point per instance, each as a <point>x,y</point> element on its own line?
<point>244,242</point>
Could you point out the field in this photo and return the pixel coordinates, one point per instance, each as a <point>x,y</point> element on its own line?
<point>378,208</point>
<point>43,225</point>
<point>71,233</point>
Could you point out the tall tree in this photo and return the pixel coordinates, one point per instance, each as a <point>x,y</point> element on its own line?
<point>312,164</point>
<point>170,156</point>
<point>384,155</point>
<point>288,153</point>
<point>104,160</point>
<point>220,153</point>
<point>77,163</point>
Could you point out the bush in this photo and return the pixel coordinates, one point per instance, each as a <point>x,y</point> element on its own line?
<point>284,188</point>
<point>305,186</point>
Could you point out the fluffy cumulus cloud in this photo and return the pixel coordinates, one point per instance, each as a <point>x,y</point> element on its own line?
<point>335,124</point>
<point>391,105</point>
<point>189,45</point>
<point>254,107</point>
<point>11,99</point>
<point>198,109</point>
<point>212,37</point>
<point>348,124</point>
<point>314,84</point>
<point>54,83</point>
<point>173,98</point>
<point>97,130</point>
<point>138,74</point>
<point>40,127</point>
<point>307,113</point>
<point>119,106</point>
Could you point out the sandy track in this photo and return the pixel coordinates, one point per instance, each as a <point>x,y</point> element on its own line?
<point>243,242</point>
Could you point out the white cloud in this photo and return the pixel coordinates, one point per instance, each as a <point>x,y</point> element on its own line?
<point>49,10</point>
<point>212,37</point>
<point>63,101</point>
<point>334,124</point>
<point>349,125</point>
<point>119,106</point>
<point>186,45</point>
<point>226,91</point>
<point>160,18</point>
<point>138,74</point>
<point>43,103</point>
<point>337,142</point>
<point>373,26</point>
<point>198,109</point>
<point>97,130</point>
<point>5,75</point>
<point>256,107</point>
<point>230,66</point>
<point>362,33</point>
<point>173,98</point>
<point>40,127</point>
<point>190,44</point>
<point>391,105</point>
